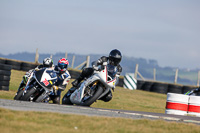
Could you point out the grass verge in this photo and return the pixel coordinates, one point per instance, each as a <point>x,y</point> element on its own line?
<point>41,122</point>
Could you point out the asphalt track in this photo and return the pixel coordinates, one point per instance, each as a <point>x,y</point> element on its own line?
<point>89,111</point>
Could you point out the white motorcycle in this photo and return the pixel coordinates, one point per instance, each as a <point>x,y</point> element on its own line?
<point>93,88</point>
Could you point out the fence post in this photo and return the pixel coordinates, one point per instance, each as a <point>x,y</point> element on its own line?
<point>176,76</point>
<point>154,74</point>
<point>73,61</point>
<point>36,56</point>
<point>136,71</point>
<point>88,61</point>
<point>198,78</point>
<point>65,55</point>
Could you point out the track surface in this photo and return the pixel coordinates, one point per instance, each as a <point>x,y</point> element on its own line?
<point>78,110</point>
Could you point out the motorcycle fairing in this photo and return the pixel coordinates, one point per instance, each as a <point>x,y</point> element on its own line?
<point>77,96</point>
<point>46,77</point>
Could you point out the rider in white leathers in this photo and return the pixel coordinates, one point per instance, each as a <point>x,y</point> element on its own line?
<point>62,81</point>
<point>113,59</point>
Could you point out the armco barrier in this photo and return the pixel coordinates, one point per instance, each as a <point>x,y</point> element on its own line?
<point>5,72</point>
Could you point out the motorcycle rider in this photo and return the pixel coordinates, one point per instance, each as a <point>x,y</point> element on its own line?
<point>47,62</point>
<point>193,91</point>
<point>62,81</point>
<point>114,59</point>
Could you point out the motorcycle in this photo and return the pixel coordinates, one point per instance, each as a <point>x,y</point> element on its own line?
<point>41,86</point>
<point>194,92</point>
<point>93,88</point>
<point>20,91</point>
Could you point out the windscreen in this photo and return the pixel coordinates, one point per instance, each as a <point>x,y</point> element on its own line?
<point>112,71</point>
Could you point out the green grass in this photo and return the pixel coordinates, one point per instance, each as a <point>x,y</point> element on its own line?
<point>41,122</point>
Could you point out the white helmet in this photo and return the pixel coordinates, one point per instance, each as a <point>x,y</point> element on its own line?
<point>47,62</point>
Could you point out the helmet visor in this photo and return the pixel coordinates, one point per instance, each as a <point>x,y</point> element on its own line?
<point>62,65</point>
<point>114,61</point>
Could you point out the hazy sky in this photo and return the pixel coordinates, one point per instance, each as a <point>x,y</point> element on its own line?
<point>167,31</point>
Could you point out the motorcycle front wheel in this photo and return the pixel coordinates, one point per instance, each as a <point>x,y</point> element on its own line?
<point>30,92</point>
<point>66,99</point>
<point>92,96</point>
<point>19,95</point>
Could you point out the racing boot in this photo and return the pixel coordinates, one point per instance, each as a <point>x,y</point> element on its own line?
<point>85,73</point>
<point>77,81</point>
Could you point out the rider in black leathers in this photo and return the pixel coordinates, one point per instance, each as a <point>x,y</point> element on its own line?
<point>193,91</point>
<point>113,59</point>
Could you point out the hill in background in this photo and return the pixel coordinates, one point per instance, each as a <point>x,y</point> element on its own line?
<point>146,67</point>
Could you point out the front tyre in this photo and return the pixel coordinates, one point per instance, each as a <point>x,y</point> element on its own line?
<point>19,95</point>
<point>30,92</point>
<point>66,99</point>
<point>92,97</point>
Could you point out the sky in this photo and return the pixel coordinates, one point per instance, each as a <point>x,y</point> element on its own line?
<point>167,31</point>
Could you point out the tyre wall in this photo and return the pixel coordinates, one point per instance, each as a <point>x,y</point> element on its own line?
<point>5,72</point>
<point>164,88</point>
<point>18,65</point>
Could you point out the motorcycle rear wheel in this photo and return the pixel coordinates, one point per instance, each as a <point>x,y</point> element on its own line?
<point>42,97</point>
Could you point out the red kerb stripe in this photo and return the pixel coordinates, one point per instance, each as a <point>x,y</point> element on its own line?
<point>177,106</point>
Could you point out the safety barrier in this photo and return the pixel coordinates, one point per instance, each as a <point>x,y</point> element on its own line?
<point>129,81</point>
<point>179,104</point>
<point>194,106</point>
<point>164,88</point>
<point>18,65</point>
<point>5,72</point>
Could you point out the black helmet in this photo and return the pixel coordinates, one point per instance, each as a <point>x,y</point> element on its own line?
<point>47,62</point>
<point>115,57</point>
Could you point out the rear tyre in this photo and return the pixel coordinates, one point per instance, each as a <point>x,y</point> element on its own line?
<point>42,97</point>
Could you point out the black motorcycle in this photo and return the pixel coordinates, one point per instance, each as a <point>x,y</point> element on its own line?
<point>41,86</point>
